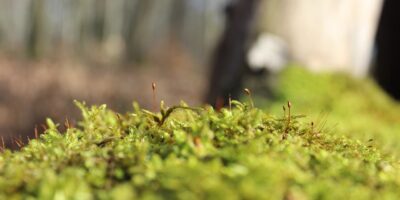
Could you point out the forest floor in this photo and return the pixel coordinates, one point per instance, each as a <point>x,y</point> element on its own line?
<point>239,152</point>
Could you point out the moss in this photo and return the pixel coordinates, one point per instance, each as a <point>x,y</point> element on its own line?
<point>358,109</point>
<point>195,153</point>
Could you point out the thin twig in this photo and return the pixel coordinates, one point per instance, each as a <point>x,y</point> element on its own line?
<point>36,132</point>
<point>248,92</point>
<point>153,87</point>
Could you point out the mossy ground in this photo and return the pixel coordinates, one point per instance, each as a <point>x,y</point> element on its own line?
<point>200,153</point>
<point>358,109</point>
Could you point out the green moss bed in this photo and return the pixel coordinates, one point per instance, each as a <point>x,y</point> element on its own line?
<point>340,105</point>
<point>242,152</point>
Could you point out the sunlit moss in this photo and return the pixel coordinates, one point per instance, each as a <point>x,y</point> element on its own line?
<point>195,153</point>
<point>342,105</point>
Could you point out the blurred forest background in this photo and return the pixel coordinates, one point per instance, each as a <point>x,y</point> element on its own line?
<point>99,51</point>
<point>103,51</point>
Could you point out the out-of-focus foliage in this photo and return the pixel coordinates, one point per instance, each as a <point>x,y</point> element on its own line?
<point>195,153</point>
<point>344,106</point>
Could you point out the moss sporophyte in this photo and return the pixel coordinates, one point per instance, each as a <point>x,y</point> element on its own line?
<point>182,152</point>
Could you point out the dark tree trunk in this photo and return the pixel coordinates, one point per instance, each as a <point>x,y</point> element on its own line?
<point>387,71</point>
<point>35,37</point>
<point>135,22</point>
<point>177,18</point>
<point>99,20</point>
<point>229,62</point>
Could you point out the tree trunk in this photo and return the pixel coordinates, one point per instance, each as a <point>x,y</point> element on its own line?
<point>228,64</point>
<point>388,42</point>
<point>35,38</point>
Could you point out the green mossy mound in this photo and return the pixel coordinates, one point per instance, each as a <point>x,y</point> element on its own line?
<point>195,153</point>
<point>358,109</point>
